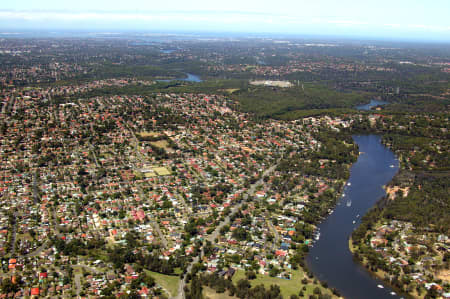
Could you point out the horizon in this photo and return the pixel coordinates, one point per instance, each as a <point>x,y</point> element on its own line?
<point>213,35</point>
<point>402,20</point>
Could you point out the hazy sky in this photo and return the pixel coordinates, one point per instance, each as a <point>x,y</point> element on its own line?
<point>406,19</point>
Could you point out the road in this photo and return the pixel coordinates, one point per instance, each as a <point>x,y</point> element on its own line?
<point>250,192</point>
<point>38,250</point>
<point>55,223</point>
<point>142,159</point>
<point>154,223</point>
<point>182,283</point>
<point>35,188</point>
<point>14,233</point>
<point>79,273</point>
<point>78,283</point>
<point>276,241</point>
<point>41,248</point>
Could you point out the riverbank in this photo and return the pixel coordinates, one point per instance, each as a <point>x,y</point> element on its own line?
<point>379,274</point>
<point>405,234</point>
<point>329,258</point>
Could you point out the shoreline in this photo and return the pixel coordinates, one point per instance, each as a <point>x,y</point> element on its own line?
<point>379,274</point>
<point>378,278</point>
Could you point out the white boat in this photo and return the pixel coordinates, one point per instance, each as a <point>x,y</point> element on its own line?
<point>349,203</point>
<point>380,286</point>
<point>349,184</point>
<point>392,166</point>
<point>357,216</point>
<point>354,221</point>
<point>393,293</point>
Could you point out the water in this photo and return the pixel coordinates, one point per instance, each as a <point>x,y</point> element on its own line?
<point>189,78</point>
<point>373,103</point>
<point>167,51</point>
<point>330,258</point>
<point>192,78</point>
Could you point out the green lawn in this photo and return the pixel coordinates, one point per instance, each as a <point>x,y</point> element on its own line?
<point>178,271</point>
<point>288,287</point>
<point>168,282</point>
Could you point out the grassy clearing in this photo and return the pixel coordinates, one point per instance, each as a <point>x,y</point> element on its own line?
<point>161,171</point>
<point>288,287</point>
<point>178,271</point>
<point>230,90</point>
<point>168,282</point>
<point>149,134</point>
<point>161,144</point>
<point>209,293</point>
<point>26,236</point>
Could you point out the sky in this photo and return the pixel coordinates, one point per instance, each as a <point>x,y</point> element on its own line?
<point>392,19</point>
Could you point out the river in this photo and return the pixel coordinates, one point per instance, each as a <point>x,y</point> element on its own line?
<point>189,78</point>
<point>373,103</point>
<point>330,258</point>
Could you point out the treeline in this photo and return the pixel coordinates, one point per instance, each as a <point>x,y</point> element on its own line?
<point>421,143</point>
<point>224,87</point>
<point>120,256</point>
<point>108,70</point>
<point>77,247</point>
<point>242,289</point>
<point>426,205</point>
<point>276,101</point>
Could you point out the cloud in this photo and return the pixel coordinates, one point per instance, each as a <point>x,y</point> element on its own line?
<point>347,22</point>
<point>238,20</point>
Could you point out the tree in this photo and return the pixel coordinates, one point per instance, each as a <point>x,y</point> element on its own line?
<point>250,274</point>
<point>241,234</point>
<point>196,288</point>
<point>242,288</point>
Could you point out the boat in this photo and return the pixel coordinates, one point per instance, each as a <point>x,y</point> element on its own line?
<point>357,216</point>
<point>349,203</point>
<point>349,184</point>
<point>317,236</point>
<point>380,286</point>
<point>354,221</point>
<point>393,293</point>
<point>392,166</point>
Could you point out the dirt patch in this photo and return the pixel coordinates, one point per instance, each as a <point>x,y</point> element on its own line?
<point>211,294</point>
<point>161,144</point>
<point>444,275</point>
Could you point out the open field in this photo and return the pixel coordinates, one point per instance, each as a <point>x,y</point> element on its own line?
<point>161,171</point>
<point>211,294</point>
<point>160,143</point>
<point>288,287</point>
<point>168,282</point>
<point>26,236</point>
<point>149,134</point>
<point>229,90</point>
